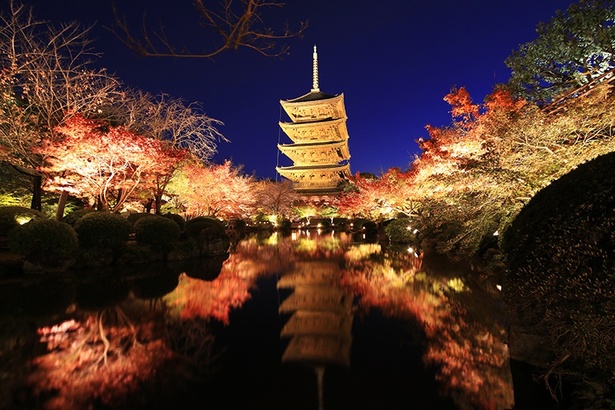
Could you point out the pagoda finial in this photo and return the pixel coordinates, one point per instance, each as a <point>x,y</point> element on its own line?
<point>315,71</point>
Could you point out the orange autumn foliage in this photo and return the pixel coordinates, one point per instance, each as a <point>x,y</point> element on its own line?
<point>105,164</point>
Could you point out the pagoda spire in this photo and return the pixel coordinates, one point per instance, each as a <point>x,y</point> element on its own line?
<point>315,71</point>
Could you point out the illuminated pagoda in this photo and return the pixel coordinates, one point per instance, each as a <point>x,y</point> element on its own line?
<point>319,149</point>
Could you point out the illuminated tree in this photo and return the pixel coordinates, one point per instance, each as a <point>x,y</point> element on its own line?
<point>379,198</point>
<point>45,76</point>
<point>234,24</point>
<point>305,209</point>
<point>217,190</point>
<point>275,198</point>
<point>474,177</point>
<point>572,49</point>
<point>169,119</point>
<point>105,164</point>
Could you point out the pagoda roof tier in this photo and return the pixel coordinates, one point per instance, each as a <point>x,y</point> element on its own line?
<point>315,178</point>
<point>319,131</point>
<point>312,154</point>
<point>314,95</point>
<point>306,109</point>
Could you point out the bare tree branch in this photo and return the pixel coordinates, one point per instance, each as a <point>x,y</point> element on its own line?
<point>235,23</point>
<point>169,119</point>
<point>45,77</point>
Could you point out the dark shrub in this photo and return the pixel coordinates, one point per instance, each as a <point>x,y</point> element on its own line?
<point>74,216</point>
<point>209,234</point>
<point>179,220</point>
<point>157,232</point>
<point>286,225</point>
<point>320,223</point>
<point>560,281</point>
<point>238,225</point>
<point>44,241</point>
<point>358,224</point>
<point>102,229</point>
<point>13,216</point>
<point>133,218</point>
<point>205,228</point>
<point>398,231</point>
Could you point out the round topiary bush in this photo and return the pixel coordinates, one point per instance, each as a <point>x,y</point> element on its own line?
<point>134,218</point>
<point>14,216</point>
<point>74,216</point>
<point>401,231</point>
<point>204,227</point>
<point>158,232</point>
<point>44,241</point>
<point>179,220</point>
<point>560,254</point>
<point>209,234</point>
<point>102,229</point>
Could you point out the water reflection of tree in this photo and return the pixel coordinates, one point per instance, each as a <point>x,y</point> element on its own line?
<point>469,356</point>
<point>194,298</point>
<point>97,357</point>
<point>125,351</point>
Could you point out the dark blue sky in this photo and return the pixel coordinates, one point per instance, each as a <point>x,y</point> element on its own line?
<point>394,60</point>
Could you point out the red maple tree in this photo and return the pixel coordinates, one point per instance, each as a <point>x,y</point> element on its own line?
<point>378,198</point>
<point>105,164</point>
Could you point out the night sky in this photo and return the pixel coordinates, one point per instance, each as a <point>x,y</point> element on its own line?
<point>393,60</point>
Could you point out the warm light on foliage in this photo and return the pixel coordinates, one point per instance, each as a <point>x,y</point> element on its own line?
<point>382,198</point>
<point>213,190</point>
<point>105,164</point>
<point>475,175</point>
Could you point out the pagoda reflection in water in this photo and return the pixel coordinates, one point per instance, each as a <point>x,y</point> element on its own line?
<point>320,324</point>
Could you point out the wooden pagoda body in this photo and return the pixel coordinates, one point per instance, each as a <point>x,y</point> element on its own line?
<point>319,148</point>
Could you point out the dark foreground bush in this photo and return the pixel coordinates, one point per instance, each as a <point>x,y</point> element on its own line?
<point>560,253</point>
<point>13,216</point>
<point>401,230</point>
<point>178,219</point>
<point>204,227</point>
<point>74,216</point>
<point>209,234</point>
<point>102,229</point>
<point>157,232</point>
<point>44,241</point>
<point>134,218</point>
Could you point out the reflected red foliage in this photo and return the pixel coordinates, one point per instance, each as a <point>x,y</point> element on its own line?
<point>195,298</point>
<point>470,358</point>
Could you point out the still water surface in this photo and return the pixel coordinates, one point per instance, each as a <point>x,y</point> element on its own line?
<point>304,321</point>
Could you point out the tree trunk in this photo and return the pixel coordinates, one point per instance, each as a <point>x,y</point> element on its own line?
<point>158,199</point>
<point>37,193</point>
<point>148,206</point>
<point>61,205</point>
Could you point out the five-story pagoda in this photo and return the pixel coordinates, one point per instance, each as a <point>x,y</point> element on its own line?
<point>319,148</point>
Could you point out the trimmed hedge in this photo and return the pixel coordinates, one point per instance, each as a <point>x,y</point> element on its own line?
<point>203,227</point>
<point>560,253</point>
<point>12,217</point>
<point>209,234</point>
<point>44,241</point>
<point>157,232</point>
<point>74,216</point>
<point>134,218</point>
<point>102,229</point>
<point>178,219</point>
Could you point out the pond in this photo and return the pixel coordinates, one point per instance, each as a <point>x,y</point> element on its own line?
<point>304,321</point>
